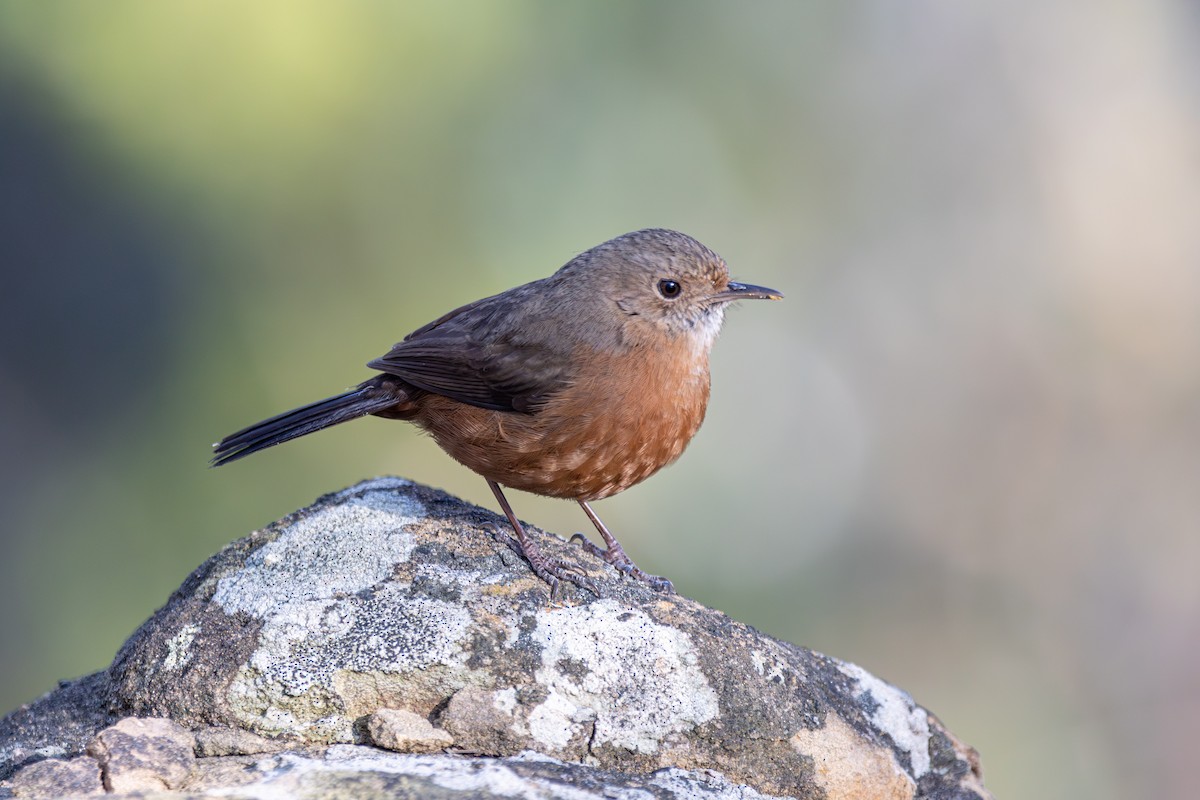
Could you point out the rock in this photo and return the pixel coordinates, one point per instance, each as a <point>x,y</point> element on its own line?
<point>225,741</point>
<point>391,596</point>
<point>56,778</point>
<point>216,776</point>
<point>58,724</point>
<point>144,755</point>
<point>486,718</point>
<point>352,771</point>
<point>406,732</point>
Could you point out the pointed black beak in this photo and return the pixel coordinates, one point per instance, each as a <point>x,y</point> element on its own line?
<point>745,291</point>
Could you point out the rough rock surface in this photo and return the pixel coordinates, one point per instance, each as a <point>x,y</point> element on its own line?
<point>144,755</point>
<point>54,777</point>
<point>393,596</point>
<point>406,732</point>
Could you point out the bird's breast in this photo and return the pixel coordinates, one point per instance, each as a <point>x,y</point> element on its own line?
<point>623,416</point>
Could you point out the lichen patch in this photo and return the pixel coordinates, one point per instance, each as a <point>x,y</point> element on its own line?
<point>327,604</point>
<point>616,668</point>
<point>895,714</point>
<point>304,646</point>
<point>281,572</point>
<point>179,647</point>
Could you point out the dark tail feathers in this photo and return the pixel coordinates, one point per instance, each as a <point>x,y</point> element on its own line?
<point>366,399</point>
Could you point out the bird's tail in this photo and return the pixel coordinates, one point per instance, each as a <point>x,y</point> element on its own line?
<point>368,398</point>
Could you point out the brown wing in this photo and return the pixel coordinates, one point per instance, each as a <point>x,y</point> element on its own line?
<point>481,355</point>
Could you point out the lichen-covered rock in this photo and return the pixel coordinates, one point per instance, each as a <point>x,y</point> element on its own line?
<point>393,596</point>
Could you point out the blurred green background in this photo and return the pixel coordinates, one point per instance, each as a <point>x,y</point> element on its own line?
<point>964,453</point>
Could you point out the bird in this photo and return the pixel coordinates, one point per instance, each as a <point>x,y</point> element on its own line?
<point>575,386</point>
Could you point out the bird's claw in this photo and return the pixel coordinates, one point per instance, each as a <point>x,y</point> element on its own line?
<point>551,570</point>
<point>617,557</point>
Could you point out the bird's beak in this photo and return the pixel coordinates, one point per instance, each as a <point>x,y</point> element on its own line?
<point>745,291</point>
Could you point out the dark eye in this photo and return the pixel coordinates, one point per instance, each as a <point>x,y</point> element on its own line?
<point>669,289</point>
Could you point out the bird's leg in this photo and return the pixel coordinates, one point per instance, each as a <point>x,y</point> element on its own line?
<point>551,570</point>
<point>615,554</point>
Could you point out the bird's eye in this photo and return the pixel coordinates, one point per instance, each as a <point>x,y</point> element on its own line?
<point>669,289</point>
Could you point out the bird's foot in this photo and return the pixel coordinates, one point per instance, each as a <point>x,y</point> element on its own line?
<point>616,556</point>
<point>503,537</point>
<point>551,570</point>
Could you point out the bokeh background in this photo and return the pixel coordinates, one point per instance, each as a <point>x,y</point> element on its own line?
<point>964,453</point>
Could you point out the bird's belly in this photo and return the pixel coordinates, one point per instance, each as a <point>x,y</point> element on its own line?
<point>577,447</point>
<point>601,457</point>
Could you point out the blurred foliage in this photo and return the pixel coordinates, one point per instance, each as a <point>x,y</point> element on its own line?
<point>963,453</point>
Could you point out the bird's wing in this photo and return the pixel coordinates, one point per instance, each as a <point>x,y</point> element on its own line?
<point>479,355</point>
